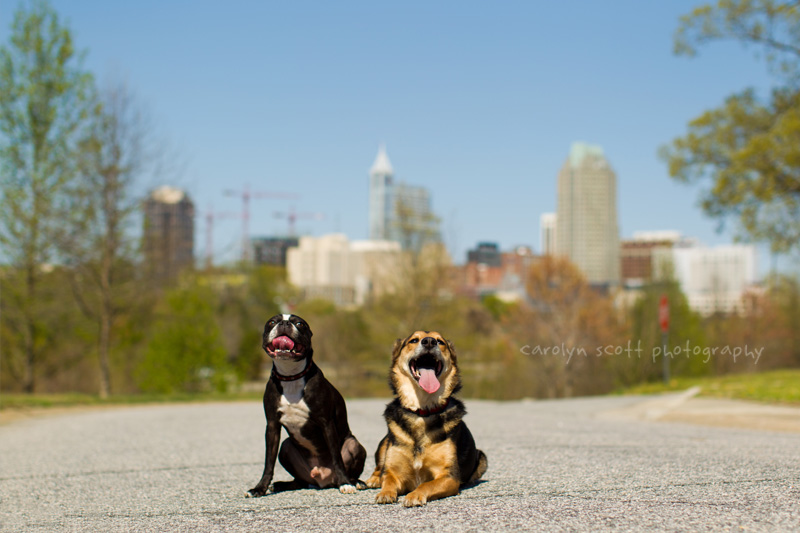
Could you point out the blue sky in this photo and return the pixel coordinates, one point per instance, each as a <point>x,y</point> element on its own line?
<point>478,101</point>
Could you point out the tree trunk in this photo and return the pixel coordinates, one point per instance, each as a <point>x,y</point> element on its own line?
<point>30,330</point>
<point>106,315</point>
<point>104,346</point>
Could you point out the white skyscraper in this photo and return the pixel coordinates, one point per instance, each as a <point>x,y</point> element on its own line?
<point>381,197</point>
<point>586,219</point>
<point>547,237</point>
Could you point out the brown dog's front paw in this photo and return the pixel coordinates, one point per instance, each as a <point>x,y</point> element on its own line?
<point>386,496</point>
<point>415,499</point>
<point>374,482</point>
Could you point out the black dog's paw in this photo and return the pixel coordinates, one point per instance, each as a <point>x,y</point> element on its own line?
<point>256,492</point>
<point>347,488</point>
<point>360,485</point>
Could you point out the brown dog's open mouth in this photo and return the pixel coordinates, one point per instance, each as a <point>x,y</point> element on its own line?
<point>426,370</point>
<point>285,347</point>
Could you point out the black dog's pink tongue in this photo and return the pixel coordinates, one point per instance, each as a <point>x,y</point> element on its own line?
<point>427,380</point>
<point>282,343</point>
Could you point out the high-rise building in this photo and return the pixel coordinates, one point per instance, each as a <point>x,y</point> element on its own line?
<point>168,233</point>
<point>713,279</point>
<point>586,219</point>
<point>381,198</point>
<point>636,255</point>
<point>547,227</point>
<point>271,250</point>
<point>397,211</point>
<point>486,253</point>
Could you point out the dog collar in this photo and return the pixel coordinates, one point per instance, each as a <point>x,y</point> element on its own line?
<point>434,411</point>
<point>295,377</point>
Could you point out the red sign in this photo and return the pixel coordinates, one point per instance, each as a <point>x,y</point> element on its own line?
<point>663,313</point>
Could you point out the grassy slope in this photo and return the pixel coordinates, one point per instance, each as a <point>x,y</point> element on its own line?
<point>781,386</point>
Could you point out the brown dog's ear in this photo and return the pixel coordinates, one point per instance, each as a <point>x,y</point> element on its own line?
<point>452,347</point>
<point>398,345</point>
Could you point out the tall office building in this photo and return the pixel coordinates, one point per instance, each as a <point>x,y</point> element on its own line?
<point>547,226</point>
<point>381,199</point>
<point>397,211</point>
<point>586,219</point>
<point>168,233</point>
<point>271,250</point>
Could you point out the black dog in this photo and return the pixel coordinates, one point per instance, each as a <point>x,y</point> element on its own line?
<point>320,450</point>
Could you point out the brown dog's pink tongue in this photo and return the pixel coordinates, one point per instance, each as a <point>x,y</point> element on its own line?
<point>428,381</point>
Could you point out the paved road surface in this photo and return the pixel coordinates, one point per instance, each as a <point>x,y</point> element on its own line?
<point>553,465</point>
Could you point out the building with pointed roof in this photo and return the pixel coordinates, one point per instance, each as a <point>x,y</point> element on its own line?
<point>381,182</point>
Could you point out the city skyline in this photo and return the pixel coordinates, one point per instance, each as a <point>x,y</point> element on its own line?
<point>479,107</point>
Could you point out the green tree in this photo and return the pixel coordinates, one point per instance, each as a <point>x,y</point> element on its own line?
<point>45,100</point>
<point>62,330</point>
<point>96,241</point>
<point>684,326</point>
<point>747,151</point>
<point>185,352</point>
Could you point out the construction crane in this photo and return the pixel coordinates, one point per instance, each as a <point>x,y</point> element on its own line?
<point>292,217</point>
<point>245,195</point>
<point>210,215</point>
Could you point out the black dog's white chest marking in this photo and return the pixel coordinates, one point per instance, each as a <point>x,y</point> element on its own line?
<point>294,412</point>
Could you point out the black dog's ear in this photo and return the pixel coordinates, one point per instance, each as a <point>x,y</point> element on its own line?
<point>265,337</point>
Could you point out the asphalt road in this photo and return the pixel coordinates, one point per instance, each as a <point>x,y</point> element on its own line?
<point>553,465</point>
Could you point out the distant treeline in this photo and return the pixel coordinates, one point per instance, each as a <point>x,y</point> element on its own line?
<point>204,333</point>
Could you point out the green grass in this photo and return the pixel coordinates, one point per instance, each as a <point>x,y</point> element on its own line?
<point>33,401</point>
<point>778,386</point>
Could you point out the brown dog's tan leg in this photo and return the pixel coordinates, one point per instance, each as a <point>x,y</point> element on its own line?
<point>437,471</point>
<point>390,485</point>
<point>440,487</point>
<point>398,475</point>
<point>374,480</point>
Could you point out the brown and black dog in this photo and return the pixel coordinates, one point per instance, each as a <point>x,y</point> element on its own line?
<point>429,452</point>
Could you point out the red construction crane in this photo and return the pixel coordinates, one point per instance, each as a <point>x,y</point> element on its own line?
<point>246,194</point>
<point>210,215</point>
<point>292,217</point>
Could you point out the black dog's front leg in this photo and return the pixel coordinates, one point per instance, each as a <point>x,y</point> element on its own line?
<point>272,439</point>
